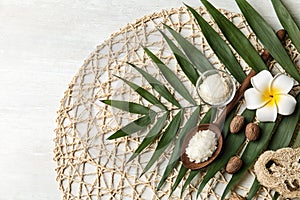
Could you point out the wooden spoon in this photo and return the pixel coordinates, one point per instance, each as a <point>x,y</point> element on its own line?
<point>215,127</point>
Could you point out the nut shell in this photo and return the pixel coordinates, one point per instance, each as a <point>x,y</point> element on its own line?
<point>281,34</point>
<point>237,124</point>
<point>266,55</point>
<point>234,164</point>
<point>252,131</point>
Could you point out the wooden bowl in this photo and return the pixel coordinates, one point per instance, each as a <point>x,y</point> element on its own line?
<point>184,158</point>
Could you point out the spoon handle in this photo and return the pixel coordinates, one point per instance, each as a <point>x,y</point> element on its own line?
<point>281,34</point>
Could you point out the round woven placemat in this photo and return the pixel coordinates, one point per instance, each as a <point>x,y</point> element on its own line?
<point>91,167</point>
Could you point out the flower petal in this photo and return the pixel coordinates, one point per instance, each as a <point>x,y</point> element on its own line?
<point>285,103</point>
<point>282,84</point>
<point>262,81</point>
<point>268,113</point>
<point>254,99</point>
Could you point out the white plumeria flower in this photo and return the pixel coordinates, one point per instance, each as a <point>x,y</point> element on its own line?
<point>270,96</point>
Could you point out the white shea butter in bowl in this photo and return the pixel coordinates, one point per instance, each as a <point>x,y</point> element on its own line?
<point>214,89</point>
<point>202,146</point>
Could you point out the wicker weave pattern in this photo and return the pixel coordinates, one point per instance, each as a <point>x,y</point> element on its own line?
<point>91,167</point>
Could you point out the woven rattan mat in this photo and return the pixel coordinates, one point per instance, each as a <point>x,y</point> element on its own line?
<point>91,167</point>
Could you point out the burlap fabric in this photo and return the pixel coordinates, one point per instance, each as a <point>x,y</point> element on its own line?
<point>91,167</point>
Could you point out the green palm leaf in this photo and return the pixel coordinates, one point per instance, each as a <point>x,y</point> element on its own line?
<point>165,140</point>
<point>287,22</point>
<point>191,123</point>
<point>182,60</point>
<point>145,94</point>
<point>250,154</point>
<point>191,176</point>
<point>151,135</point>
<point>179,177</point>
<point>232,144</point>
<point>221,49</point>
<point>158,86</point>
<point>268,38</point>
<point>133,127</point>
<point>174,81</point>
<point>195,56</point>
<point>276,195</point>
<point>284,133</point>
<point>128,106</point>
<point>253,190</point>
<point>296,142</point>
<point>236,38</point>
<point>225,130</point>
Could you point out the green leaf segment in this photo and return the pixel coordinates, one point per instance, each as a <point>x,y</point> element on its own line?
<point>287,22</point>
<point>171,77</point>
<point>151,136</point>
<point>221,49</point>
<point>236,38</point>
<point>158,86</point>
<point>195,55</point>
<point>165,141</point>
<point>174,159</point>
<point>186,66</point>
<point>268,38</point>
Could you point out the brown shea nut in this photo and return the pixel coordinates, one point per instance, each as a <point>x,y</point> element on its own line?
<point>234,164</point>
<point>266,55</point>
<point>281,34</point>
<point>237,124</point>
<point>252,131</point>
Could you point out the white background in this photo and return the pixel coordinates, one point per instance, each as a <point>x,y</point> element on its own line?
<point>43,43</point>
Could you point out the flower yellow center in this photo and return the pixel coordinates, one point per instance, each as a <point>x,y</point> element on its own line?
<point>271,96</point>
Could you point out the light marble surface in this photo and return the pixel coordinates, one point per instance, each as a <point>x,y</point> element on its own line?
<point>43,43</point>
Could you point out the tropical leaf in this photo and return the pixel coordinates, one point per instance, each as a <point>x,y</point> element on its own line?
<point>287,22</point>
<point>188,69</point>
<point>225,129</point>
<point>191,176</point>
<point>128,106</point>
<point>173,161</point>
<point>268,38</point>
<point>296,138</point>
<point>179,177</point>
<point>174,81</point>
<point>158,86</point>
<point>220,48</point>
<point>133,127</point>
<point>232,144</point>
<point>276,195</point>
<point>194,54</point>
<point>236,38</point>
<point>151,135</point>
<point>144,93</point>
<point>284,133</point>
<point>250,154</point>
<point>165,140</point>
<point>253,190</point>
<point>296,142</point>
